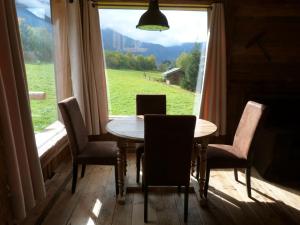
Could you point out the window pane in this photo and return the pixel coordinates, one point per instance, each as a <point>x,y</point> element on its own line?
<point>37,42</point>
<point>153,62</point>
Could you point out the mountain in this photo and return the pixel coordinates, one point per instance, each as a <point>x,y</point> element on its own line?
<point>114,41</point>
<point>31,19</point>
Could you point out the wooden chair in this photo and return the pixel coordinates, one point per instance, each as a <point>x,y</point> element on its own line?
<point>83,150</point>
<point>240,153</point>
<point>147,104</point>
<point>167,157</point>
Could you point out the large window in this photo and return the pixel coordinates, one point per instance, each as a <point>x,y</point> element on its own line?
<point>37,42</point>
<point>153,62</point>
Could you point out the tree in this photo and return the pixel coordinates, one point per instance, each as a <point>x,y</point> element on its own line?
<point>119,60</point>
<point>166,65</point>
<point>150,63</point>
<point>191,65</point>
<point>42,44</point>
<point>131,61</point>
<point>183,60</point>
<point>37,43</point>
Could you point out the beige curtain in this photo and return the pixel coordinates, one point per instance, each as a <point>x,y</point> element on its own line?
<point>25,179</point>
<point>62,59</point>
<point>79,33</point>
<point>213,99</point>
<point>95,68</point>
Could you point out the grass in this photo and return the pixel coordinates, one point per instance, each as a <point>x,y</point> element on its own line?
<point>40,77</point>
<point>123,85</point>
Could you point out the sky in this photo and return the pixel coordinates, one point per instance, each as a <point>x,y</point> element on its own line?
<point>185,26</point>
<point>40,8</point>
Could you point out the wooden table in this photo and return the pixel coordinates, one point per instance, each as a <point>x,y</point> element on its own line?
<point>131,129</point>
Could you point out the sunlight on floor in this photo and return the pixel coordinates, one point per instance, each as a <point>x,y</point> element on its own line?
<point>223,199</point>
<point>97,207</point>
<point>292,194</point>
<point>193,178</point>
<point>96,212</point>
<point>90,222</point>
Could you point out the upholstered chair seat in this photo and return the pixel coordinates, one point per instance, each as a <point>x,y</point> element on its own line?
<point>240,153</point>
<point>91,154</point>
<point>83,150</point>
<point>224,156</point>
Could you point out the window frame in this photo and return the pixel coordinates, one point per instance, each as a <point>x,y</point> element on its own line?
<point>189,5</point>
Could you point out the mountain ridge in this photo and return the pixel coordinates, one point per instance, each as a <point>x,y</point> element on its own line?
<point>114,41</point>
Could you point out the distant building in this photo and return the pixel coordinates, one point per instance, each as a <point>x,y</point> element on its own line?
<point>173,76</point>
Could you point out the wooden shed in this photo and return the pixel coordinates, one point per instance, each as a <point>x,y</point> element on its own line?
<point>173,76</point>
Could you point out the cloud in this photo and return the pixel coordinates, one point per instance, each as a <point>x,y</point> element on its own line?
<point>40,8</point>
<point>185,26</point>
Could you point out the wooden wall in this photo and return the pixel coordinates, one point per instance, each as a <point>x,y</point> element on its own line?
<point>264,59</point>
<point>251,73</point>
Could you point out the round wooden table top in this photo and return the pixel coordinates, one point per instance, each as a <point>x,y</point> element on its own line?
<point>132,128</point>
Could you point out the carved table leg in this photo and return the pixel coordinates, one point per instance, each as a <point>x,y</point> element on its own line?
<point>125,161</point>
<point>121,171</point>
<point>195,163</point>
<point>203,155</point>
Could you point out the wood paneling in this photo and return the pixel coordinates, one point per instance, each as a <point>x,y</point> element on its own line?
<point>162,3</point>
<point>274,81</point>
<point>250,73</point>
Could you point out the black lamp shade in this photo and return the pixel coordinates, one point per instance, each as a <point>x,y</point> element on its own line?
<point>153,19</point>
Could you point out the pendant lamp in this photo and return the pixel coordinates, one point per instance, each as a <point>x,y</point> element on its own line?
<point>153,19</point>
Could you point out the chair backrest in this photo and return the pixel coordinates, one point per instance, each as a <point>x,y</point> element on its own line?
<point>245,132</point>
<point>150,104</point>
<point>168,149</point>
<point>76,130</point>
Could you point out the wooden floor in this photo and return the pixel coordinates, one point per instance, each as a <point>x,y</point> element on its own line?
<point>94,202</point>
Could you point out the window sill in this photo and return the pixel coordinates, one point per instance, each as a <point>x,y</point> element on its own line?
<point>51,141</point>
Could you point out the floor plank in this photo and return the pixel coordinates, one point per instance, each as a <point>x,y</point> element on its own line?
<point>94,202</point>
<point>63,209</point>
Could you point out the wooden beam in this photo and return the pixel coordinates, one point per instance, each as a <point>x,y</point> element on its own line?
<point>143,4</point>
<point>37,95</point>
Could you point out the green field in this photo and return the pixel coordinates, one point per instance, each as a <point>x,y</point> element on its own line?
<point>123,85</point>
<point>41,78</point>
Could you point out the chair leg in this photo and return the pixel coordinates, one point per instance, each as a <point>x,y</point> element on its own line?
<point>206,182</point>
<point>145,204</point>
<point>186,203</point>
<point>179,189</point>
<point>198,167</point>
<point>138,166</point>
<point>83,166</point>
<point>116,180</point>
<point>74,180</point>
<point>248,181</point>
<point>236,174</point>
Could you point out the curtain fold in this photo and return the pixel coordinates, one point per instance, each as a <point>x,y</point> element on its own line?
<point>25,178</point>
<point>213,99</point>
<point>86,60</point>
<point>59,18</point>
<point>95,67</point>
